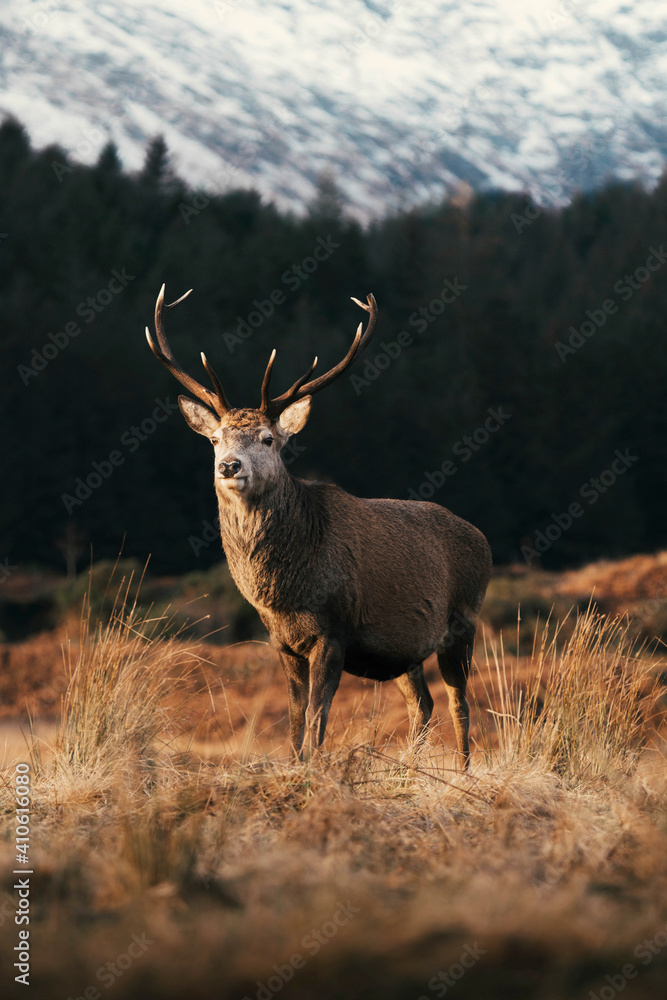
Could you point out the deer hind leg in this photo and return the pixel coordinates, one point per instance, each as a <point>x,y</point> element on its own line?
<point>454,659</point>
<point>414,689</point>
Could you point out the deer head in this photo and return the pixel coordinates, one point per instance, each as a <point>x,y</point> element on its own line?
<point>248,442</point>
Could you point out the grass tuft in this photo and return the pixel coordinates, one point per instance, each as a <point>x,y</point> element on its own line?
<point>588,706</point>
<point>119,671</point>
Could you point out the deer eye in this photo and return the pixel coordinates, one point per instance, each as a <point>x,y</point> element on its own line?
<point>268,439</point>
<point>214,440</point>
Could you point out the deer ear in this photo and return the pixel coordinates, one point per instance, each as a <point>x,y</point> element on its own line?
<point>198,417</point>
<point>294,418</point>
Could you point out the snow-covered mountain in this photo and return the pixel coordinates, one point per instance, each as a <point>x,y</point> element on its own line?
<point>399,101</point>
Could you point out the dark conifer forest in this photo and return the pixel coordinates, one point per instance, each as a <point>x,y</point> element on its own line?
<point>517,374</point>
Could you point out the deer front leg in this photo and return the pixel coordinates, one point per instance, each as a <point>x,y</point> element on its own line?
<point>297,672</point>
<point>326,667</point>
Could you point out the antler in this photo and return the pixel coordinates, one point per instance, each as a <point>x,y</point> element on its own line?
<point>217,400</point>
<point>302,387</point>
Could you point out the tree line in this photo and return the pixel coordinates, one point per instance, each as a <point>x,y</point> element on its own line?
<point>516,375</point>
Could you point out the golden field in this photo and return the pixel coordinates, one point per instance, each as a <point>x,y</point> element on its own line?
<point>178,851</point>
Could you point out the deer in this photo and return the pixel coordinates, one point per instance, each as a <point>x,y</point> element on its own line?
<point>371,587</point>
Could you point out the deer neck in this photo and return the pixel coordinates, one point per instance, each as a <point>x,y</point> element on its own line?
<point>269,540</point>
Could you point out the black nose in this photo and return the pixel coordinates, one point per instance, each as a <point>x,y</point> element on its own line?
<point>229,469</point>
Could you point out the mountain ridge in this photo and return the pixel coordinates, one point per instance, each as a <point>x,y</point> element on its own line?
<point>401,107</point>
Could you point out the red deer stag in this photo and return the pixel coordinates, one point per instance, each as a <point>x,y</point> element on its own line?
<point>372,587</point>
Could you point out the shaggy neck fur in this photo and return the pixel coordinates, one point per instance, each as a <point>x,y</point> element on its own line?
<point>271,541</point>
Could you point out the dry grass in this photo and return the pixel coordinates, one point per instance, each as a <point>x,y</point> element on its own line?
<point>585,708</point>
<point>376,863</point>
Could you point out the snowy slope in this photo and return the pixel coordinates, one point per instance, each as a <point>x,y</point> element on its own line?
<point>399,101</point>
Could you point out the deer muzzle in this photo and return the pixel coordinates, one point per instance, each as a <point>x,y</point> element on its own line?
<point>229,470</point>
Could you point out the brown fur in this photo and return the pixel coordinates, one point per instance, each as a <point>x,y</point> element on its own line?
<point>246,418</point>
<point>372,587</point>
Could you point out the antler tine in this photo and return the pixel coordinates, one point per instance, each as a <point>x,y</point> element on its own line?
<point>304,378</point>
<point>266,381</point>
<point>159,327</point>
<point>302,388</point>
<point>220,392</point>
<point>268,405</point>
<point>372,309</point>
<point>172,305</point>
<point>214,400</point>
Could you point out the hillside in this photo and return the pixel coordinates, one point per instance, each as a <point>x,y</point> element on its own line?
<point>405,104</point>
